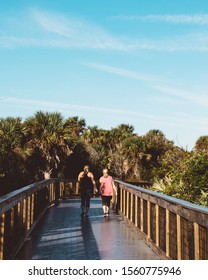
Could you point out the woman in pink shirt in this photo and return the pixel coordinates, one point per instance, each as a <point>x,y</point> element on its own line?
<point>106,189</point>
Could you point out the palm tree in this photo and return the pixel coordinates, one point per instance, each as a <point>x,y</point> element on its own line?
<point>201,144</point>
<point>49,135</point>
<point>12,137</point>
<point>75,126</point>
<point>96,143</point>
<point>12,156</point>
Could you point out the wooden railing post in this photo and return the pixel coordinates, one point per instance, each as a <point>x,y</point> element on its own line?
<point>2,228</point>
<point>149,219</point>
<point>136,210</point>
<point>124,202</point>
<point>121,200</point>
<point>132,206</point>
<point>127,204</point>
<point>142,214</point>
<point>167,233</point>
<point>77,188</point>
<point>157,225</point>
<point>24,214</point>
<point>12,223</point>
<point>179,253</point>
<point>196,241</point>
<point>32,208</point>
<point>28,212</point>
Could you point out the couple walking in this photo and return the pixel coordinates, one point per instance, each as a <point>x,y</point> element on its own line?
<point>86,180</point>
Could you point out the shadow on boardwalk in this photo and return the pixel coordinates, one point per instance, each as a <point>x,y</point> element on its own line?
<point>64,235</point>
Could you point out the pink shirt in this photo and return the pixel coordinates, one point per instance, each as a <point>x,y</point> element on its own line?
<point>107,186</point>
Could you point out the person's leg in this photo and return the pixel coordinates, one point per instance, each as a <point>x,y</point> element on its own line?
<point>83,203</point>
<point>104,209</point>
<point>88,196</point>
<point>108,204</point>
<point>104,204</point>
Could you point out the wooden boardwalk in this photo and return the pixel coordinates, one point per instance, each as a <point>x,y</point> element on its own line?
<point>63,234</point>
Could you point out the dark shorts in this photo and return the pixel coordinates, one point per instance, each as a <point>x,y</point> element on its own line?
<point>106,200</point>
<point>85,198</point>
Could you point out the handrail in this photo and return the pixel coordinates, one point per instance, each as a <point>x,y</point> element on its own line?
<point>21,210</point>
<point>174,228</point>
<point>171,199</point>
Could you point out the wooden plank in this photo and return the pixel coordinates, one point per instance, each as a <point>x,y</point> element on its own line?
<point>196,242</point>
<point>179,247</point>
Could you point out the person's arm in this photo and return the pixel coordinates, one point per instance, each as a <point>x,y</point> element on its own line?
<point>101,184</point>
<point>95,190</point>
<point>79,178</point>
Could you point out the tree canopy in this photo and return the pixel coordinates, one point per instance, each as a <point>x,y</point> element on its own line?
<point>46,145</point>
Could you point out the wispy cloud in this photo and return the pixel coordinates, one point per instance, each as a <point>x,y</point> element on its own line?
<point>161,84</point>
<point>46,29</point>
<point>194,97</point>
<point>125,73</point>
<point>198,19</point>
<point>51,30</point>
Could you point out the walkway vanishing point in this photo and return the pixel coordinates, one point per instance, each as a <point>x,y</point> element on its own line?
<point>42,221</point>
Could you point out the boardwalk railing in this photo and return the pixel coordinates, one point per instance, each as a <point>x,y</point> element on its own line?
<point>173,228</point>
<point>21,210</point>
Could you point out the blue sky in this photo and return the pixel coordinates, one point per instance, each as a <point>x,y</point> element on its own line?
<point>143,63</point>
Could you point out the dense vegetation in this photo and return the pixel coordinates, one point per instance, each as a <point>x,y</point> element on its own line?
<point>47,145</point>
